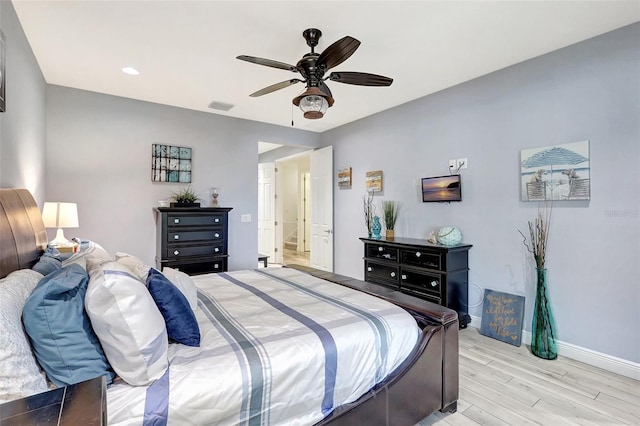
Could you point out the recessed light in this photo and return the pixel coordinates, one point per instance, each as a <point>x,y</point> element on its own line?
<point>130,71</point>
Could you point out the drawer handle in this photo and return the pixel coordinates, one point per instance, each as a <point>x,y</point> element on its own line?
<point>434,283</point>
<point>380,248</point>
<point>176,220</point>
<point>215,250</point>
<point>418,254</point>
<point>404,277</point>
<point>176,237</point>
<point>369,269</point>
<point>216,220</point>
<point>393,274</point>
<point>217,235</point>
<point>215,265</point>
<point>176,252</point>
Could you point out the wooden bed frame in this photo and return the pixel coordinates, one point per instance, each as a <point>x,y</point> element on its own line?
<point>426,382</point>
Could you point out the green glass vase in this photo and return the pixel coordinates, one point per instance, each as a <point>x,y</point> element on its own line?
<point>543,327</point>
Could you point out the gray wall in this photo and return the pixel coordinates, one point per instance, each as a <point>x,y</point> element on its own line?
<point>589,91</point>
<point>99,156</point>
<point>22,126</point>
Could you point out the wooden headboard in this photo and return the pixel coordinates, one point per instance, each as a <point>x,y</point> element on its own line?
<point>22,233</point>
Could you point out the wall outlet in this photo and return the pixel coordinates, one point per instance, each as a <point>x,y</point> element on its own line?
<point>245,218</point>
<point>462,163</point>
<point>452,165</point>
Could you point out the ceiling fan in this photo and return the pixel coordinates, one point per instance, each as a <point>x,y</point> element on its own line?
<point>312,67</point>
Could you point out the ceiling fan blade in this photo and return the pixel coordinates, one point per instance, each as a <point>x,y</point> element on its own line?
<point>360,78</point>
<point>338,52</point>
<point>268,63</point>
<point>275,87</point>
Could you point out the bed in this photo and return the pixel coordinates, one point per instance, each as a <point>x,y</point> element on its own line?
<point>300,324</point>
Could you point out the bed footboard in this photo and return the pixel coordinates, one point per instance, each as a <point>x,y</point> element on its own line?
<point>426,382</point>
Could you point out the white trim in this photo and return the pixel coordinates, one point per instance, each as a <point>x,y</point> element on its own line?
<point>598,359</point>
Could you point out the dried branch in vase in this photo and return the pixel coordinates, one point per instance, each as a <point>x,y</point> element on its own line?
<point>539,235</point>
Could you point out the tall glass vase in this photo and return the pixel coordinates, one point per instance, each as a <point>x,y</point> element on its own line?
<point>543,327</point>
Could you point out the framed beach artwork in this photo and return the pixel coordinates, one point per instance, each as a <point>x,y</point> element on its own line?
<point>373,181</point>
<point>170,163</point>
<point>344,178</point>
<point>560,172</point>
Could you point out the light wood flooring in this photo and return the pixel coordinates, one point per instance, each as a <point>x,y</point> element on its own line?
<point>291,257</point>
<point>501,384</point>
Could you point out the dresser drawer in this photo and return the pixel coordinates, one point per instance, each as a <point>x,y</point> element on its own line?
<point>383,272</point>
<point>179,220</point>
<point>176,236</point>
<point>176,252</point>
<point>420,258</point>
<point>421,281</point>
<point>381,252</point>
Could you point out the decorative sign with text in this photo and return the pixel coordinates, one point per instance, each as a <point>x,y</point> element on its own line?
<point>502,315</point>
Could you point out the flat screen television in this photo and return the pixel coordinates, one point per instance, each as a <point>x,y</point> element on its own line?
<point>441,189</point>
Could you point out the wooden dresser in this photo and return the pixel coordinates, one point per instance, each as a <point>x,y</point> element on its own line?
<point>192,239</point>
<point>431,272</point>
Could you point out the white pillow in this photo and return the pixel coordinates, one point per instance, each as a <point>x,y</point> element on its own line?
<point>20,375</point>
<point>91,253</point>
<point>136,265</point>
<point>128,324</point>
<point>185,284</point>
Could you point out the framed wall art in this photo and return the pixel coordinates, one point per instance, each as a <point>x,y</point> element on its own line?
<point>344,178</point>
<point>374,181</point>
<point>170,163</point>
<point>560,172</point>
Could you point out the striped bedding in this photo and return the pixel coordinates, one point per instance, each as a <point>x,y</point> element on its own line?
<point>278,347</point>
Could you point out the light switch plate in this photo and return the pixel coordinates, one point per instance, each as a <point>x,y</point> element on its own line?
<point>245,218</point>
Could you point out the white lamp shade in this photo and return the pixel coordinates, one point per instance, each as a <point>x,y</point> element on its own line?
<point>60,215</point>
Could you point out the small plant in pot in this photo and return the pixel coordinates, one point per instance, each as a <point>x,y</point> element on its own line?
<point>185,197</point>
<point>390,213</point>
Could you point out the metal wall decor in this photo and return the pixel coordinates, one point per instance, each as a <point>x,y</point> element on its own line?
<point>170,163</point>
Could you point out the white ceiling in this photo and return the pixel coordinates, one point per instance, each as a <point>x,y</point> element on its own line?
<point>185,50</point>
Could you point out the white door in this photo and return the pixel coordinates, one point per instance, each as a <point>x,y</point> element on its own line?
<point>321,167</point>
<point>266,209</point>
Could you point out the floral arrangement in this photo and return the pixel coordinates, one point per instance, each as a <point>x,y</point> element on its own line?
<point>539,235</point>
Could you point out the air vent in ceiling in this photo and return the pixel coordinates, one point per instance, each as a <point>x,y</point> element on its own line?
<point>221,106</point>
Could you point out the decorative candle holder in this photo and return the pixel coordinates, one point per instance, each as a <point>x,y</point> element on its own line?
<point>214,196</point>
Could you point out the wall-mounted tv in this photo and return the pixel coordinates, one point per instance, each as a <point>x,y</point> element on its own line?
<point>441,188</point>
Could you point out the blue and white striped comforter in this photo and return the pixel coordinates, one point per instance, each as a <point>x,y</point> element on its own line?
<point>278,347</point>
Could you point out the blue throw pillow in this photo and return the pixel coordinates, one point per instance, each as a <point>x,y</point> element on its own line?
<point>60,331</point>
<point>181,322</point>
<point>47,265</point>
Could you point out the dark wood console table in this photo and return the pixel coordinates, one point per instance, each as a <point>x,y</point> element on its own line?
<point>431,272</point>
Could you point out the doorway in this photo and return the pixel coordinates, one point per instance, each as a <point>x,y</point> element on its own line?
<point>301,207</point>
<point>284,208</point>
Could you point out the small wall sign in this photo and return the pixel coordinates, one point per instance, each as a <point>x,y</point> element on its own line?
<point>502,315</point>
<point>344,178</point>
<point>374,181</point>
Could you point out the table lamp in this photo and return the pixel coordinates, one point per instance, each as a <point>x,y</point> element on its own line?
<point>60,215</point>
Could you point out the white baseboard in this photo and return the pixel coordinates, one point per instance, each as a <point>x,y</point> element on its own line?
<point>597,359</point>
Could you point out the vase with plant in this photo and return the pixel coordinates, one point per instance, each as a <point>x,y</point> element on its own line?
<point>390,212</point>
<point>185,197</point>
<point>543,333</point>
<point>369,212</point>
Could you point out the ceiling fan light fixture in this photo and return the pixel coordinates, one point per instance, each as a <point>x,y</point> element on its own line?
<point>313,103</point>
